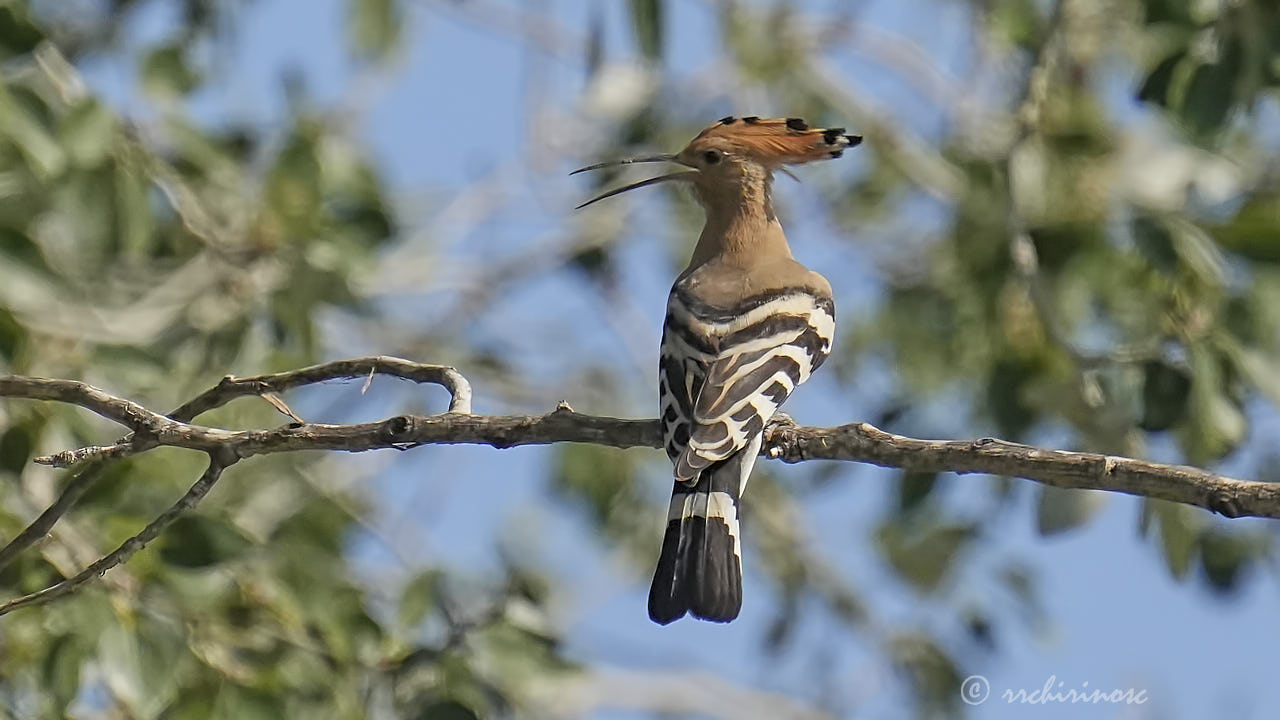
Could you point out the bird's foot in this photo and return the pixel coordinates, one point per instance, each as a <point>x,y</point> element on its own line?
<point>774,434</point>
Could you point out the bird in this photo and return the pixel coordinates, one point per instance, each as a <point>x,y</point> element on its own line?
<point>745,324</point>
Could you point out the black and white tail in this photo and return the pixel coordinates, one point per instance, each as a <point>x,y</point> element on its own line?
<point>700,567</point>
<point>723,373</point>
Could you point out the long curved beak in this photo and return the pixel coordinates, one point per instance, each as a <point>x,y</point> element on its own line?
<point>627,161</point>
<point>681,175</point>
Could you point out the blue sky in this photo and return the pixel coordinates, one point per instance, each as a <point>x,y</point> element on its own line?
<point>453,109</point>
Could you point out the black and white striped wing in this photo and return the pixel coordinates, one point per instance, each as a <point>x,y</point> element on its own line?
<point>739,365</point>
<point>685,356</point>
<point>724,372</point>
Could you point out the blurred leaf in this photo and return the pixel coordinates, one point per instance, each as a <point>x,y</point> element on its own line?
<point>1180,528</point>
<point>923,558</point>
<point>1017,22</point>
<point>308,215</point>
<point>161,656</point>
<point>122,670</point>
<point>1226,557</point>
<point>315,526</point>
<point>18,35</point>
<point>596,262</point>
<point>603,482</point>
<point>85,201</point>
<point>18,442</point>
<point>1155,242</point>
<point>518,647</point>
<point>1207,102</point>
<point>595,43</point>
<point>1254,232</point>
<point>979,627</point>
<point>1257,368</point>
<point>783,625</point>
<point>369,221</point>
<point>647,25</point>
<point>1198,252</point>
<point>446,710</point>
<point>1158,85</point>
<point>375,27</point>
<point>61,672</point>
<point>197,541</point>
<point>17,247</point>
<point>1217,423</point>
<point>24,120</point>
<point>167,74</point>
<point>1165,394</point>
<point>12,334</point>
<point>418,597</point>
<point>135,222</point>
<point>930,670</point>
<point>913,489</point>
<point>88,132</point>
<point>293,188</point>
<point>1171,11</point>
<point>29,573</point>
<point>1062,509</point>
<point>113,483</point>
<point>1172,244</point>
<point>1006,397</point>
<point>235,702</point>
<point>1020,582</point>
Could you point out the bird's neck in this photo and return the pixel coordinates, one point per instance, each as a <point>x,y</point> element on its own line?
<point>741,227</point>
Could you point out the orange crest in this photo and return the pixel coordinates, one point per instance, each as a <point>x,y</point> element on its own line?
<point>771,143</point>
<point>775,141</point>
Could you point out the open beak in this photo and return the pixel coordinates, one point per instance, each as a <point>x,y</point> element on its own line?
<point>627,161</point>
<point>681,175</point>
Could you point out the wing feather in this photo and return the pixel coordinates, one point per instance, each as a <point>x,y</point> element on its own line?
<point>715,403</point>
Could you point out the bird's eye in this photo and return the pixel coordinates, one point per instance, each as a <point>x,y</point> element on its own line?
<point>711,157</point>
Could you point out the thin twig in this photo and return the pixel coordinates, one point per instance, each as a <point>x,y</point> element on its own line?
<point>230,388</point>
<point>126,412</point>
<point>84,478</point>
<point>96,458</point>
<point>133,544</point>
<point>857,442</point>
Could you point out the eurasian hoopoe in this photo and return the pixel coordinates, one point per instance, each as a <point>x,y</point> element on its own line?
<point>745,325</point>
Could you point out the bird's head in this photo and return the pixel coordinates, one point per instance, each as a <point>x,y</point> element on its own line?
<point>734,150</point>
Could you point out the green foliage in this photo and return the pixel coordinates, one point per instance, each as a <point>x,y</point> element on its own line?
<point>375,27</point>
<point>1254,231</point>
<point>930,671</point>
<point>167,73</point>
<point>1217,61</point>
<point>199,541</point>
<point>152,254</point>
<point>1059,510</point>
<point>18,34</point>
<point>924,557</point>
<point>647,22</point>
<point>247,608</point>
<point>914,488</point>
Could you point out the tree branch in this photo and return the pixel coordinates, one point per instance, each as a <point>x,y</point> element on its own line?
<point>133,544</point>
<point>784,440</point>
<point>95,459</point>
<point>79,483</point>
<point>231,388</point>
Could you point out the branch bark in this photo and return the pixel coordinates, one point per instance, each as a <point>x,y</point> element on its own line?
<point>784,440</point>
<point>130,546</point>
<point>95,459</point>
